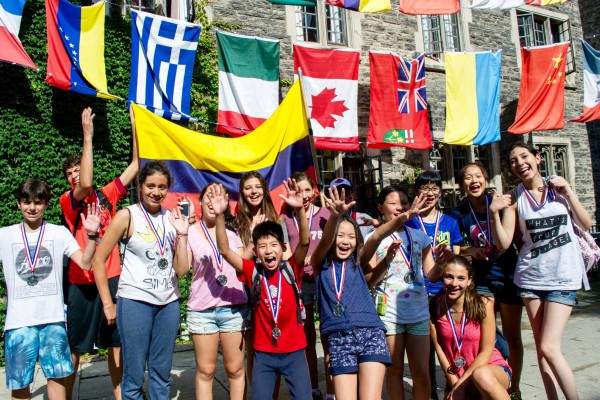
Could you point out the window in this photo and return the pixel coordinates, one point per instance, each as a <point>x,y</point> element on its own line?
<point>324,24</point>
<point>539,30</point>
<point>440,33</point>
<point>554,160</point>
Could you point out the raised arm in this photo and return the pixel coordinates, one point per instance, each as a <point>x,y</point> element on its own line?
<point>294,200</point>
<point>337,207</point>
<point>503,230</point>
<point>219,202</point>
<point>91,223</point>
<point>86,168</point>
<point>131,171</point>
<point>115,231</point>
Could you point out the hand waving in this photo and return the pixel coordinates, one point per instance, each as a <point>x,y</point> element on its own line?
<point>219,199</point>
<point>336,202</point>
<point>294,196</point>
<point>91,223</point>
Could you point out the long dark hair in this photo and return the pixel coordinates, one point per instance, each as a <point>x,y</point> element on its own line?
<point>230,222</point>
<point>473,304</point>
<point>244,215</point>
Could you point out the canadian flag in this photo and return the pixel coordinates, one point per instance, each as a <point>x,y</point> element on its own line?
<point>330,85</point>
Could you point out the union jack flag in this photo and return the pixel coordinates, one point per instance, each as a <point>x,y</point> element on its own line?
<point>411,85</point>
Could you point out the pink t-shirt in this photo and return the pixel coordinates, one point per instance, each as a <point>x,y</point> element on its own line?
<point>206,292</point>
<point>469,348</point>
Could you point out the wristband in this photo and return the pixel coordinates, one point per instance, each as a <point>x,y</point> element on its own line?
<point>93,236</point>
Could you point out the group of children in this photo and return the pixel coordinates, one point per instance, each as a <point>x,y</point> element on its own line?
<point>403,288</point>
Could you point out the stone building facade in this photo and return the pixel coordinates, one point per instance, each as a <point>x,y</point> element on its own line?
<point>567,152</point>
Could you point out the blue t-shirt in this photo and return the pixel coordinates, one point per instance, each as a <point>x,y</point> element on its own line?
<point>448,233</point>
<point>501,264</point>
<point>359,309</point>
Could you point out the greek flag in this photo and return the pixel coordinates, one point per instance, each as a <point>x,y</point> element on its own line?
<point>163,51</point>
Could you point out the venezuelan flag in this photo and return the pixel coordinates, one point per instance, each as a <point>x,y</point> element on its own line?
<point>276,149</point>
<point>472,98</point>
<point>76,48</point>
<point>364,6</point>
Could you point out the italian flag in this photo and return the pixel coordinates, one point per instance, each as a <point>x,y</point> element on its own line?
<point>248,82</point>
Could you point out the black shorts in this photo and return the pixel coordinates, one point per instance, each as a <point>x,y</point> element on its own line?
<point>86,323</point>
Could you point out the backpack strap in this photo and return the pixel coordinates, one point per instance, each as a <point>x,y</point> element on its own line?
<point>254,294</point>
<point>288,274</point>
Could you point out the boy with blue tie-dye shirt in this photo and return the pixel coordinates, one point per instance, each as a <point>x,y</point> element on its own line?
<point>32,261</point>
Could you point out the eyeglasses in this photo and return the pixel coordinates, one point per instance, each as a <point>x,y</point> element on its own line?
<point>430,189</point>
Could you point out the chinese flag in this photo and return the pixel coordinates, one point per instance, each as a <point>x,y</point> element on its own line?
<point>429,7</point>
<point>542,96</point>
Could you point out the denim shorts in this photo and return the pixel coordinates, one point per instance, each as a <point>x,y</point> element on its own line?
<point>24,345</point>
<point>566,297</point>
<point>420,328</point>
<point>347,349</point>
<point>218,319</point>
<point>503,292</point>
<point>308,292</point>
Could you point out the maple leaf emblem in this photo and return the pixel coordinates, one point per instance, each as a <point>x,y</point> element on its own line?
<point>324,108</point>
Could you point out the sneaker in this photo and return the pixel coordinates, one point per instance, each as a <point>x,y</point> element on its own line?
<point>515,395</point>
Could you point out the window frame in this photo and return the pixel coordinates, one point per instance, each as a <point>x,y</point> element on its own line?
<point>333,16</point>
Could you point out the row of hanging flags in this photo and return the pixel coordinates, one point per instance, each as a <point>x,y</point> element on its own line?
<point>163,54</point>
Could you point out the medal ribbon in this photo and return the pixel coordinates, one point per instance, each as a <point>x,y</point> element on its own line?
<point>486,233</point>
<point>339,286</point>
<point>310,220</point>
<point>406,255</point>
<point>548,194</point>
<point>274,304</point>
<point>438,220</point>
<point>161,241</point>
<point>463,323</point>
<point>213,246</point>
<point>32,258</point>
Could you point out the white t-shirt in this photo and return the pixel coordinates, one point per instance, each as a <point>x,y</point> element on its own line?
<point>43,302</point>
<point>406,302</point>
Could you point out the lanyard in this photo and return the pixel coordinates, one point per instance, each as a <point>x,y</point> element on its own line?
<point>338,285</point>
<point>438,220</point>
<point>213,246</point>
<point>463,323</point>
<point>548,194</point>
<point>274,302</point>
<point>159,239</point>
<point>32,258</point>
<point>486,232</point>
<point>310,219</point>
<point>406,255</point>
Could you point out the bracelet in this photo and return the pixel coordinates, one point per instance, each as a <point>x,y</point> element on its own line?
<point>494,220</point>
<point>93,236</point>
<point>181,234</point>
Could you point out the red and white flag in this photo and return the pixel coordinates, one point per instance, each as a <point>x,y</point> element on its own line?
<point>429,7</point>
<point>330,85</point>
<point>11,49</point>
<point>399,113</point>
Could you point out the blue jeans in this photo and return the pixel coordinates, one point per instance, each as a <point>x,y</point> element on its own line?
<point>292,367</point>
<point>148,334</point>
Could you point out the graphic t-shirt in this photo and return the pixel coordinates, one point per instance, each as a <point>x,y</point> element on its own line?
<point>403,284</point>
<point>316,225</point>
<point>41,303</point>
<point>292,332</point>
<point>206,292</point>
<point>447,233</point>
<point>113,192</point>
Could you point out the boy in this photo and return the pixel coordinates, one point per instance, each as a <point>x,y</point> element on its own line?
<point>279,339</point>
<point>32,260</point>
<point>85,319</point>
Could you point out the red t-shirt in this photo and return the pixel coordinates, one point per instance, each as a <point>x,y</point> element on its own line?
<point>292,332</point>
<point>114,191</point>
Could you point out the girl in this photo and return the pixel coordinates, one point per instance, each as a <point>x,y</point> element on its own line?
<point>217,306</point>
<point>541,212</point>
<point>147,310</point>
<point>317,217</point>
<point>463,330</point>
<point>494,269</point>
<point>349,323</point>
<point>396,259</point>
<point>441,229</point>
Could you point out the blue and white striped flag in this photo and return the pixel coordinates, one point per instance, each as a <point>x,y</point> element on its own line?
<point>163,51</point>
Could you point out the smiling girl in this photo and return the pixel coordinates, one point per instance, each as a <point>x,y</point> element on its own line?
<point>550,268</point>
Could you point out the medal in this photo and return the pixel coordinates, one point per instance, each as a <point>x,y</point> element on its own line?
<point>338,285</point>
<point>486,233</point>
<point>409,277</point>
<point>162,262</point>
<point>32,259</point>
<point>276,333</point>
<point>438,220</point>
<point>221,280</point>
<point>32,280</point>
<point>459,361</point>
<point>548,194</point>
<point>274,301</point>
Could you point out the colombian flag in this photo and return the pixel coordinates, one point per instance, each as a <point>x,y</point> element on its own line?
<point>472,98</point>
<point>277,148</point>
<point>76,48</point>
<point>364,6</point>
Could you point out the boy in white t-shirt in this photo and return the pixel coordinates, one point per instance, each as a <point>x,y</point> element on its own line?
<point>32,255</point>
